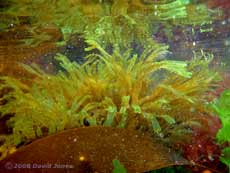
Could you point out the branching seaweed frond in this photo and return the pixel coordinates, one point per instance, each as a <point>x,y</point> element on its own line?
<point>118,89</point>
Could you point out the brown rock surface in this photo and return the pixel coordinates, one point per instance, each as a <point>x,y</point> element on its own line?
<point>91,150</point>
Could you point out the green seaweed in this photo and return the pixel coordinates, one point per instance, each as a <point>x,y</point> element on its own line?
<point>226,156</point>
<point>118,167</point>
<point>222,108</point>
<point>115,22</point>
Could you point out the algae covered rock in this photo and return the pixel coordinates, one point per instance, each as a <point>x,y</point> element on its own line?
<point>91,149</point>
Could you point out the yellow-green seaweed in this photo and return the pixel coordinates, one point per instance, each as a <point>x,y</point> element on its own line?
<point>117,89</point>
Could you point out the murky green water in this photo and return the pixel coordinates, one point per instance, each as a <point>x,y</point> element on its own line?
<point>157,67</point>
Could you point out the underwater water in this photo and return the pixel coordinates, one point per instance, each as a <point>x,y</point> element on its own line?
<point>115,86</point>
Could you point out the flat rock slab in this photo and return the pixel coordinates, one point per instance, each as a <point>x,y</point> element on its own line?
<point>90,150</point>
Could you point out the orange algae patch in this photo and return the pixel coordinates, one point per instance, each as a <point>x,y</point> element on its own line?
<point>207,171</point>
